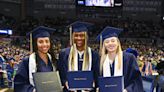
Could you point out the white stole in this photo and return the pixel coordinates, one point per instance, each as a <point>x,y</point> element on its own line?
<point>75,68</point>
<point>106,67</point>
<point>32,66</point>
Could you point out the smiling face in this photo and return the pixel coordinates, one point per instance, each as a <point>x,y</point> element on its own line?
<point>79,39</point>
<point>111,44</point>
<point>43,44</point>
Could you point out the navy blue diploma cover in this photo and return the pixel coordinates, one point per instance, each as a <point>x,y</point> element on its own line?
<point>47,82</point>
<point>111,84</point>
<point>80,80</point>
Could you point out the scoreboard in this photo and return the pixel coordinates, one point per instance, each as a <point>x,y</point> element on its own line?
<point>99,3</point>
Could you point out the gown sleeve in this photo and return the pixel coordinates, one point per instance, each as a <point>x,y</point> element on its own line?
<point>133,81</point>
<point>62,66</point>
<point>95,67</point>
<point>21,80</point>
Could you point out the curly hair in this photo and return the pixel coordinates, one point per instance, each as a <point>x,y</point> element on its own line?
<point>51,51</point>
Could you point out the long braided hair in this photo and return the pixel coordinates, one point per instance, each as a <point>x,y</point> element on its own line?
<point>73,51</point>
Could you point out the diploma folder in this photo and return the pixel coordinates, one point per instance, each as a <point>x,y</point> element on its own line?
<point>111,84</point>
<point>47,82</point>
<point>80,80</point>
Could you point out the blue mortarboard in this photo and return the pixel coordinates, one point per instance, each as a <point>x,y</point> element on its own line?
<point>79,26</point>
<point>109,32</point>
<point>133,51</point>
<point>41,31</point>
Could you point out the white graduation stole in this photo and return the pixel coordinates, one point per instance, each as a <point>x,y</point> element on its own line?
<point>106,67</point>
<point>33,68</point>
<point>75,68</point>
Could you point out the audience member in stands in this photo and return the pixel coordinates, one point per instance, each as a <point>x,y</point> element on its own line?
<point>1,77</point>
<point>160,69</point>
<point>147,68</point>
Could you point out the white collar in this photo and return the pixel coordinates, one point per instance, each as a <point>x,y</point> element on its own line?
<point>106,68</point>
<point>75,68</point>
<point>33,68</point>
<point>80,53</point>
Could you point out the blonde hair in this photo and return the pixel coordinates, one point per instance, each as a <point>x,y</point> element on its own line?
<point>104,53</point>
<point>71,58</point>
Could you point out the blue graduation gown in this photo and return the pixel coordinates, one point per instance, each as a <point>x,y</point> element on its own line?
<point>131,73</point>
<point>63,65</point>
<point>21,80</point>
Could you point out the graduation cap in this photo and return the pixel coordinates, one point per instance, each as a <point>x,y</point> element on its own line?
<point>41,31</point>
<point>133,51</point>
<point>79,26</point>
<point>38,32</point>
<point>107,33</point>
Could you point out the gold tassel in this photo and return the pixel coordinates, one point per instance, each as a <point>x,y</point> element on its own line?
<point>31,43</point>
<point>69,60</point>
<point>100,49</point>
<point>70,30</point>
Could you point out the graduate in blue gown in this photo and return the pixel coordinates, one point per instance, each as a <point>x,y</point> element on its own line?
<point>41,60</point>
<point>78,57</point>
<point>133,51</point>
<point>115,62</point>
<point>160,70</point>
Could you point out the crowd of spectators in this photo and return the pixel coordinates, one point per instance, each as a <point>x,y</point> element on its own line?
<point>132,28</point>
<point>10,57</point>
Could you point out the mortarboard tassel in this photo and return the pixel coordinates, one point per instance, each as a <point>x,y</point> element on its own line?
<point>70,30</point>
<point>100,49</point>
<point>31,43</point>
